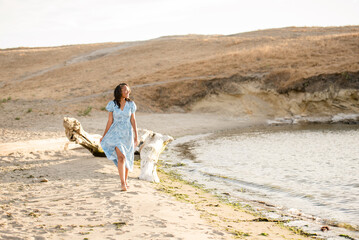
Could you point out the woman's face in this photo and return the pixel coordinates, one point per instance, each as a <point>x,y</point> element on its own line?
<point>125,91</point>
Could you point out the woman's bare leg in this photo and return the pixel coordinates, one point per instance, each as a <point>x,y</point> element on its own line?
<point>126,176</point>
<point>121,169</point>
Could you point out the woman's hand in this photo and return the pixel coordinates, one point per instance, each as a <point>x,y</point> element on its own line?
<point>135,142</point>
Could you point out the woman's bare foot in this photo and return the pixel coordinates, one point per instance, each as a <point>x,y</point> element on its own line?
<point>127,185</point>
<point>123,187</point>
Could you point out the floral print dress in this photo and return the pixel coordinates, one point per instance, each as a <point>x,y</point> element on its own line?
<point>120,134</point>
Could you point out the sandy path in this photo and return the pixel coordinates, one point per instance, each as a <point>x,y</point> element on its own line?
<point>77,59</point>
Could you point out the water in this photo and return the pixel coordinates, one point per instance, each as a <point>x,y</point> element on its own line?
<point>308,169</point>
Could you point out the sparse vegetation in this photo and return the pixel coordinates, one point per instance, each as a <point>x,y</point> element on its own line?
<point>172,182</point>
<point>4,100</point>
<point>180,164</point>
<point>9,215</point>
<point>347,226</point>
<point>85,112</point>
<point>59,226</point>
<point>297,230</point>
<point>346,236</point>
<point>35,215</point>
<point>238,234</point>
<point>119,224</point>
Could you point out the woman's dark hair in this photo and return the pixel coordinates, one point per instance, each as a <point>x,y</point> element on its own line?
<point>118,94</point>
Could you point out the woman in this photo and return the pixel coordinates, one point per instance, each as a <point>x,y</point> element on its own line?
<point>118,141</point>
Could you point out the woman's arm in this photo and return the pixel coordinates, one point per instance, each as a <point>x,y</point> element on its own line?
<point>109,123</point>
<point>134,126</point>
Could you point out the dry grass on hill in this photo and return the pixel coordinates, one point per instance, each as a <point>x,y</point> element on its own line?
<point>298,58</point>
<point>179,69</point>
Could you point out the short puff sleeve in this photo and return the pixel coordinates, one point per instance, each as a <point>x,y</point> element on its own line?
<point>110,106</point>
<point>133,107</point>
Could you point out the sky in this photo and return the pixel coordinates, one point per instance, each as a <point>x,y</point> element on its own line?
<point>40,23</point>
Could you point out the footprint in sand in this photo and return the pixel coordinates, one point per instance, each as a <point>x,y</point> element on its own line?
<point>115,203</point>
<point>59,154</point>
<point>160,223</point>
<point>133,193</point>
<point>36,155</point>
<point>218,232</point>
<point>79,214</point>
<point>39,238</point>
<point>169,235</point>
<point>127,211</point>
<point>138,185</point>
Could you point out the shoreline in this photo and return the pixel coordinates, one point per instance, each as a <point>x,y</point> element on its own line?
<point>20,171</point>
<point>174,124</point>
<point>49,195</point>
<point>266,212</point>
<point>337,228</point>
<point>225,214</point>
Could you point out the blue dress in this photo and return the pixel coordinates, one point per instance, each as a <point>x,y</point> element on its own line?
<point>120,134</point>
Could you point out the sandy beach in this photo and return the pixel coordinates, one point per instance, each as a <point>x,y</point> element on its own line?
<point>182,85</point>
<point>51,193</point>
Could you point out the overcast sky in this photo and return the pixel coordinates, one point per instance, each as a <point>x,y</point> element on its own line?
<point>34,23</point>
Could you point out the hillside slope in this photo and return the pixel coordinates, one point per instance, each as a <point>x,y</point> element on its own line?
<point>269,73</point>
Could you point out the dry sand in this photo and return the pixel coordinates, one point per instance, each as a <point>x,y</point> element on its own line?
<point>81,195</point>
<point>82,198</point>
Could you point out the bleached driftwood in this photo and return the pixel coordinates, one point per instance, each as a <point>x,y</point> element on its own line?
<point>150,150</point>
<point>151,146</point>
<point>75,133</point>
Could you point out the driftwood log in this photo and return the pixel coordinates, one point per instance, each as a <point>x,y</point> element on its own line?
<point>75,133</point>
<point>151,146</point>
<point>150,150</point>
